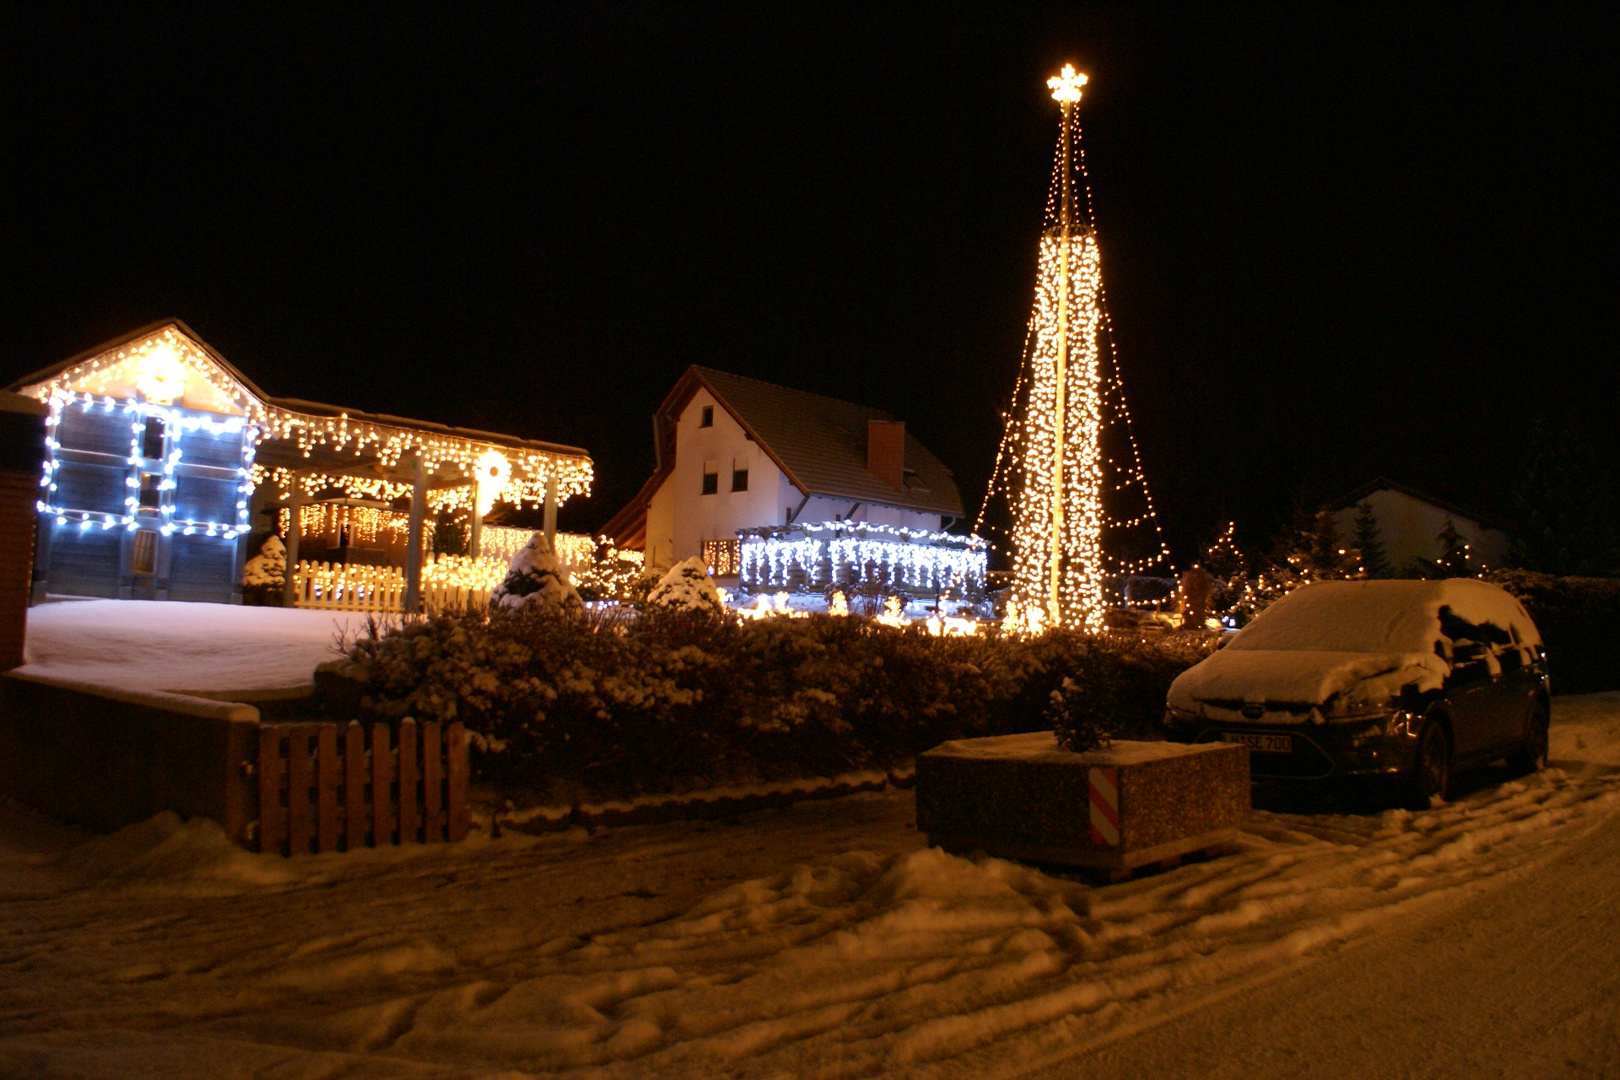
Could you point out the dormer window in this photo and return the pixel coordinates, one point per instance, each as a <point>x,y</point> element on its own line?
<point>707,419</point>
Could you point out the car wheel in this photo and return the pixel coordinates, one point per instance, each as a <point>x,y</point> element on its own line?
<point>1431,767</point>
<point>1531,756</point>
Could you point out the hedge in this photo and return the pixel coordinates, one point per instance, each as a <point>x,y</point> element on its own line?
<point>1579,620</point>
<point>608,704</point>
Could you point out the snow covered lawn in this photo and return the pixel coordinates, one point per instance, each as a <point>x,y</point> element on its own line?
<point>822,940</point>
<point>150,645</point>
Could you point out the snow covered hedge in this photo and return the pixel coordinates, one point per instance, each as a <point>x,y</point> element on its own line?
<point>1579,620</point>
<point>563,699</point>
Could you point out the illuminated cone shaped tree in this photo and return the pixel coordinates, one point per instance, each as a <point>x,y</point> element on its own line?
<point>1051,464</point>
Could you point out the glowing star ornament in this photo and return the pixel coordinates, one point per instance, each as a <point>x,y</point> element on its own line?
<point>1066,84</point>
<point>492,472</point>
<point>160,376</point>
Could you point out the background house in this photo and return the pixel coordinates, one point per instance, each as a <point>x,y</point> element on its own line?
<point>737,454</point>
<point>1410,523</point>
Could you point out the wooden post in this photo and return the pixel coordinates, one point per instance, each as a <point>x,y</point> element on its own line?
<point>382,782</point>
<point>272,776</point>
<point>409,818</point>
<point>295,530</point>
<point>298,785</point>
<point>413,542</point>
<point>327,780</point>
<point>354,786</point>
<point>432,780</point>
<point>550,519</point>
<point>475,532</point>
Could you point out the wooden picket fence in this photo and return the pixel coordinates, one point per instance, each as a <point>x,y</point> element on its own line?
<point>330,787</point>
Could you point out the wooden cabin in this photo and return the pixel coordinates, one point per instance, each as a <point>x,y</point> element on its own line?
<point>163,461</point>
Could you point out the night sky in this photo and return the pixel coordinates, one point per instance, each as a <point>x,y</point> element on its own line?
<point>1335,245</point>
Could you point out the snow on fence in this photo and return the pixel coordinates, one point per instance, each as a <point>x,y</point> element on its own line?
<point>328,787</point>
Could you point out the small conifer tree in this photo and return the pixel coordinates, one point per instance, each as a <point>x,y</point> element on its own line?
<point>1373,556</point>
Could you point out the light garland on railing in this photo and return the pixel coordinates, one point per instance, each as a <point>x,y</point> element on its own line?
<point>814,555</point>
<point>175,420</point>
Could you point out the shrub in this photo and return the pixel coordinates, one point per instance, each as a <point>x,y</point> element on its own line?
<point>613,703</point>
<point>1579,620</point>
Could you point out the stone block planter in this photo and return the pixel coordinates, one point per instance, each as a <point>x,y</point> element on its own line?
<point>1131,805</point>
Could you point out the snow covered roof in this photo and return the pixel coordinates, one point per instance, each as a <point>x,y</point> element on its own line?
<point>1384,483</point>
<point>818,442</point>
<point>1366,637</point>
<point>1380,616</point>
<point>298,434</point>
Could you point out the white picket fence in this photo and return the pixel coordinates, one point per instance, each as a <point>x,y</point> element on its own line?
<point>449,581</point>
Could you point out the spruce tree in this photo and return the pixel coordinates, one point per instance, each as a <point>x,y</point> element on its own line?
<point>1566,520</point>
<point>1373,557</point>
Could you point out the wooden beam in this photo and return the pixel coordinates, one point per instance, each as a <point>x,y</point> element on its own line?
<point>550,519</point>
<point>413,540</point>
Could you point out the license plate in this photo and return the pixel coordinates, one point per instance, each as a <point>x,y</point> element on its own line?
<point>1265,744</point>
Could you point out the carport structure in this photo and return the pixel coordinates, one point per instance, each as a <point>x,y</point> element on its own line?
<point>160,454</point>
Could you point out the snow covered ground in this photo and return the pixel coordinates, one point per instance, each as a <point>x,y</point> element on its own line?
<point>152,645</point>
<point>823,940</point>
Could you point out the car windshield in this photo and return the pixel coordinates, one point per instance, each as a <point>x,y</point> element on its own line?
<point>1349,616</point>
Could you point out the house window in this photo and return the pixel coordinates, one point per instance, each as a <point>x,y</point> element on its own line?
<point>152,440</point>
<point>151,491</point>
<point>143,560</point>
<point>722,557</point>
<point>739,479</point>
<point>708,418</point>
<point>711,482</point>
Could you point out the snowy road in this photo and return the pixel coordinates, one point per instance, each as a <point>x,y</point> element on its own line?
<point>825,941</point>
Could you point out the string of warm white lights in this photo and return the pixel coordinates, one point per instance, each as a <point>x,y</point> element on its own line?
<point>167,366</point>
<point>1050,465</point>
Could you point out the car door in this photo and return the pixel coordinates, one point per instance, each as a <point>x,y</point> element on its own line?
<point>1516,682</point>
<point>1475,697</point>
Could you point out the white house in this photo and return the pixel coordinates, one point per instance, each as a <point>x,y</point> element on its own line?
<point>735,454</point>
<point>1410,523</point>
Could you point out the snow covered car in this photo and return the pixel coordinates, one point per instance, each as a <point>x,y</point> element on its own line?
<point>1406,680</point>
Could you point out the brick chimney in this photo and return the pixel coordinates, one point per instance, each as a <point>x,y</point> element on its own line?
<point>886,451</point>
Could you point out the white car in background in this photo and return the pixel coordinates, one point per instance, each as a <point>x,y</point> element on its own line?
<point>1403,680</point>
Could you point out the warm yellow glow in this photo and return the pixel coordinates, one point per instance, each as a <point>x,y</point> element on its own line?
<point>168,364</point>
<point>160,377</point>
<point>492,472</point>
<point>1066,85</point>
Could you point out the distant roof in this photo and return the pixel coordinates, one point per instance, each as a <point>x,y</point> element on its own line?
<point>1384,483</point>
<point>818,442</point>
<point>295,405</point>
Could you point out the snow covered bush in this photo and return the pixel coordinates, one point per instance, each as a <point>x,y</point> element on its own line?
<point>1579,621</point>
<point>563,700</point>
<point>687,587</point>
<point>535,579</point>
<point>264,575</point>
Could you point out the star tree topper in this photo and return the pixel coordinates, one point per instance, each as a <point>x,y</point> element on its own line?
<point>1065,85</point>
